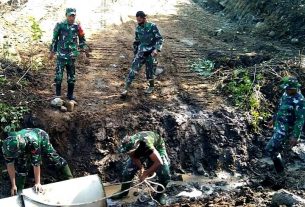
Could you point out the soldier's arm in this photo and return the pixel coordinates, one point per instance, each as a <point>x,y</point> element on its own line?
<point>158,37</point>
<point>53,47</point>
<point>136,43</point>
<point>12,173</point>
<point>274,117</point>
<point>81,37</point>
<point>299,119</point>
<point>157,162</point>
<point>136,160</point>
<point>35,154</point>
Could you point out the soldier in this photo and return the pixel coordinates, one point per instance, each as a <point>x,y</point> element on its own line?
<point>288,121</point>
<point>145,146</point>
<point>66,36</point>
<point>25,146</point>
<point>148,43</point>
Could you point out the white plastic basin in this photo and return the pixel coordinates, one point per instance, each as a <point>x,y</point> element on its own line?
<point>79,192</point>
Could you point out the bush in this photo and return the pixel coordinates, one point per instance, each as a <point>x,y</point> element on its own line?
<point>246,94</point>
<point>35,29</point>
<point>203,67</point>
<point>10,117</point>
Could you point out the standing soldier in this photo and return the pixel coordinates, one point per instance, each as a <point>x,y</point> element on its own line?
<point>26,147</point>
<point>148,43</point>
<point>288,121</point>
<point>66,36</point>
<point>145,146</point>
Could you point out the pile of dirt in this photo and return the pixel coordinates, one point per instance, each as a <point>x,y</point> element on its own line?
<point>286,22</point>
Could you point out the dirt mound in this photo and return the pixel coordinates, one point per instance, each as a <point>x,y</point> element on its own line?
<point>286,22</point>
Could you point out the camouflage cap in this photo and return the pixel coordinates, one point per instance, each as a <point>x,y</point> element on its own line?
<point>127,144</point>
<point>70,11</point>
<point>12,146</point>
<point>290,82</point>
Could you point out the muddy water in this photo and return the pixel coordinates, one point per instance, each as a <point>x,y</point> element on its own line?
<point>205,187</point>
<point>223,180</point>
<point>111,189</point>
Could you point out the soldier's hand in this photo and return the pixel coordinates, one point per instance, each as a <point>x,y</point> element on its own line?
<point>14,190</point>
<point>38,188</point>
<point>270,124</point>
<point>51,56</point>
<point>143,176</point>
<point>154,53</point>
<point>293,142</point>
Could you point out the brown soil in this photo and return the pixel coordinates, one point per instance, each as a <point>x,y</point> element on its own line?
<point>88,136</point>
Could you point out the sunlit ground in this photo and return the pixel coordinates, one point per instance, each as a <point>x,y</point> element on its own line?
<point>94,15</point>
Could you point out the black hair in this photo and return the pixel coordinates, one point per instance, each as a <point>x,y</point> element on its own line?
<point>141,14</point>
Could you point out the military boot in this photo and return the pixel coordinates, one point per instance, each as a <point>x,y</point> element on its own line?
<point>151,87</point>
<point>58,90</point>
<point>278,164</point>
<point>70,92</point>
<point>20,182</point>
<point>118,195</point>
<point>66,173</point>
<point>160,197</point>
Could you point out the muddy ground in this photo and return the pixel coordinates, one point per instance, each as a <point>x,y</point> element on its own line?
<point>205,135</point>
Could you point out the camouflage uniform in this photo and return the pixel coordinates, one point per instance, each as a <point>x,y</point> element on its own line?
<point>147,39</point>
<point>35,142</point>
<point>26,147</point>
<point>67,39</point>
<point>289,121</point>
<point>148,141</point>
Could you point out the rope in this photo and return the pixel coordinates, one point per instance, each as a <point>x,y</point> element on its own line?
<point>146,183</point>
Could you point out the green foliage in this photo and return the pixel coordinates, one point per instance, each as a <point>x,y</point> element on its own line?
<point>35,29</point>
<point>203,67</point>
<point>3,80</point>
<point>246,95</point>
<point>11,116</point>
<point>239,87</point>
<point>5,50</point>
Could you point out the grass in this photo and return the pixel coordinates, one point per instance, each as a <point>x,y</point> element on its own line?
<point>203,67</point>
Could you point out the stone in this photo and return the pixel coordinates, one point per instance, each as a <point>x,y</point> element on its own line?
<point>70,106</point>
<point>63,109</point>
<point>294,40</point>
<point>299,150</point>
<point>57,102</point>
<point>271,34</point>
<point>159,71</point>
<point>284,197</point>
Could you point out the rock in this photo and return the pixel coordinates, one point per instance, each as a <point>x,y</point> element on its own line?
<point>201,170</point>
<point>260,188</point>
<point>159,71</point>
<point>271,34</point>
<point>70,105</point>
<point>260,25</point>
<point>177,177</point>
<point>294,40</point>
<point>57,102</point>
<point>283,197</point>
<point>219,32</point>
<point>299,150</point>
<point>63,109</point>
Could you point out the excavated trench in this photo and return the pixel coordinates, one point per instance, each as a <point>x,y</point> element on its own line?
<point>211,145</point>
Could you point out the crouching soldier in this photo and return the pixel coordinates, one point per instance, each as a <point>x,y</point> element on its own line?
<point>27,147</point>
<point>145,146</point>
<point>288,121</point>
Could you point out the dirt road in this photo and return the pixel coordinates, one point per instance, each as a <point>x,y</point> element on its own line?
<point>186,108</point>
